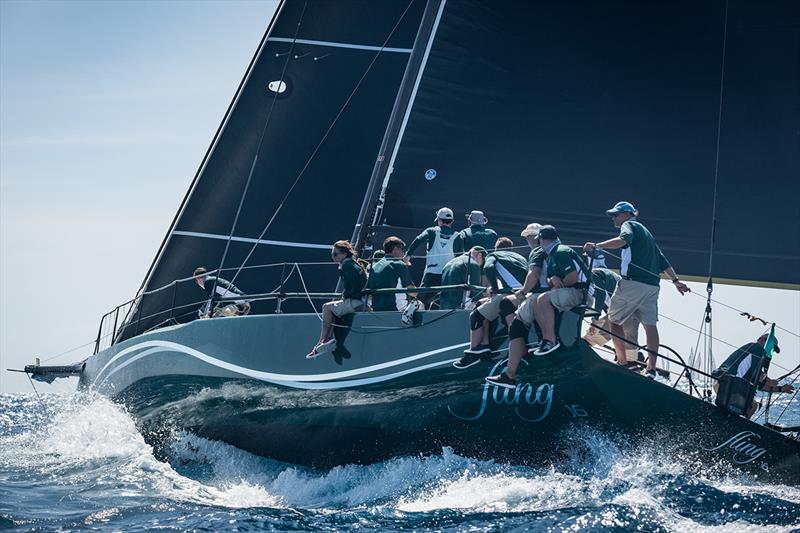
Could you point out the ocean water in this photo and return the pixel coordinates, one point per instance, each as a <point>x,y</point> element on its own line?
<point>78,463</point>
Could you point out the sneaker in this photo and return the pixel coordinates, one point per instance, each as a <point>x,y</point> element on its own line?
<point>651,374</point>
<point>533,347</point>
<point>502,380</point>
<point>321,348</point>
<point>480,349</point>
<point>547,347</point>
<point>467,361</point>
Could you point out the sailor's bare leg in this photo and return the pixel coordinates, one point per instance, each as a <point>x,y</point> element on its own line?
<point>327,321</point>
<point>545,315</point>
<point>476,337</point>
<point>517,349</point>
<point>651,333</point>
<point>619,345</point>
<point>485,329</point>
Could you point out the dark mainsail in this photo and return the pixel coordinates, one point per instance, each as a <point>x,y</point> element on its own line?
<point>531,111</point>
<point>342,64</point>
<point>553,111</point>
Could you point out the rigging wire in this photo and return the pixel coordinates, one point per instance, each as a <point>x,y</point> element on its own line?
<point>324,137</point>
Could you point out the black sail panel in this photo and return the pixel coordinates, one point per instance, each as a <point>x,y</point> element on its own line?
<point>553,111</point>
<point>316,142</point>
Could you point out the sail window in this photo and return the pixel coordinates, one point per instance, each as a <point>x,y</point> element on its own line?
<point>277,86</point>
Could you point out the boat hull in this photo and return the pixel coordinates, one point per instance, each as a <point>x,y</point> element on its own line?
<point>392,390</point>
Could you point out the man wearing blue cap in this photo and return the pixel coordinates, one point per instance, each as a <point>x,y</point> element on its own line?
<point>637,291</point>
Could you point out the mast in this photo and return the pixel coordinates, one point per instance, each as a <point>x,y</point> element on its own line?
<point>370,208</point>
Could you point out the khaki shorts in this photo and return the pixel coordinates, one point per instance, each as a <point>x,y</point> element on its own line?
<point>491,309</point>
<point>631,332</point>
<point>565,298</point>
<point>634,298</point>
<point>525,309</point>
<point>348,306</point>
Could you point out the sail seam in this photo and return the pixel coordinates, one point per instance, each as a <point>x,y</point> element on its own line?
<point>253,241</point>
<point>334,44</point>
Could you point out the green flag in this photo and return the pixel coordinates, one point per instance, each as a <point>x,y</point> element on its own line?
<point>769,346</point>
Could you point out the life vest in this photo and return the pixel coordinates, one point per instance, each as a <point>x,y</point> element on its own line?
<point>440,252</point>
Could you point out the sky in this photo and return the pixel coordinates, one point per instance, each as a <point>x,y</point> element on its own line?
<point>106,110</point>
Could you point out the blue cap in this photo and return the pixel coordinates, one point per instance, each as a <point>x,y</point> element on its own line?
<point>622,207</point>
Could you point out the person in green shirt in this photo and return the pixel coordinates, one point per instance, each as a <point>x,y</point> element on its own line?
<point>389,273</point>
<point>604,283</point>
<point>353,278</point>
<point>477,234</point>
<point>566,278</point>
<point>462,270</point>
<point>504,270</point>
<point>442,243</point>
<point>750,362</point>
<point>637,292</point>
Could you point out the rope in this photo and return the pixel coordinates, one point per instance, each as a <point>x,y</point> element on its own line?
<point>324,137</point>
<point>719,131</point>
<point>303,281</point>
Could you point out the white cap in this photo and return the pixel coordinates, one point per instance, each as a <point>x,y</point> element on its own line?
<point>477,217</point>
<point>445,213</point>
<point>531,230</point>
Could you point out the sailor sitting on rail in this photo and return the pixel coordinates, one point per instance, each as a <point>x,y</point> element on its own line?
<point>392,272</point>
<point>462,270</point>
<point>353,278</point>
<point>566,273</point>
<point>604,283</point>
<point>503,269</point>
<point>750,362</point>
<point>477,234</point>
<point>442,244</point>
<point>217,287</point>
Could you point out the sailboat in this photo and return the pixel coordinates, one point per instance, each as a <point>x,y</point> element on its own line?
<point>359,119</point>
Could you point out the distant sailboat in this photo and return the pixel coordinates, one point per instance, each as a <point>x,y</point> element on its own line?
<point>361,118</point>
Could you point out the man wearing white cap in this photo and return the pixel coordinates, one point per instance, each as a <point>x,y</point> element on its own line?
<point>477,234</point>
<point>637,291</point>
<point>442,245</point>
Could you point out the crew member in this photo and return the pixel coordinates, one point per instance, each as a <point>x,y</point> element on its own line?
<point>750,362</point>
<point>392,272</point>
<point>353,278</point>
<point>604,283</point>
<point>504,270</point>
<point>217,287</point>
<point>477,234</point>
<point>442,244</point>
<point>637,292</point>
<point>464,269</point>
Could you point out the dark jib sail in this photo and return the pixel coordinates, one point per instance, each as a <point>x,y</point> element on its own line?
<point>310,143</point>
<point>551,112</point>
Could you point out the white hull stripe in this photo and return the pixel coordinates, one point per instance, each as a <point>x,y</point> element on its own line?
<point>333,44</point>
<point>303,385</point>
<point>253,241</point>
<point>157,346</point>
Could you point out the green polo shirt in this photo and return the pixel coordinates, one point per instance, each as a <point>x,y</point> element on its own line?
<point>429,237</point>
<point>388,273</point>
<point>478,236</point>
<point>458,271</point>
<point>510,263</point>
<point>605,283</point>
<point>734,366</point>
<point>353,279</point>
<point>563,260</point>
<point>642,259</point>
